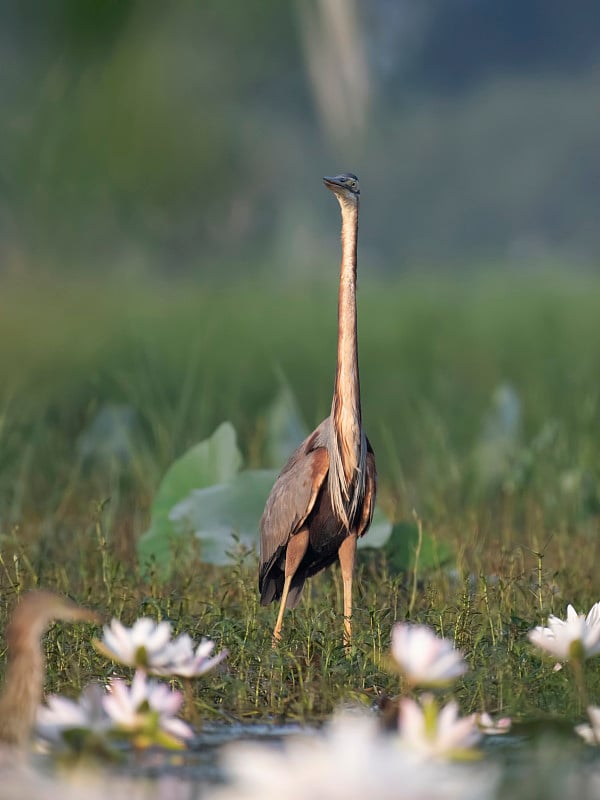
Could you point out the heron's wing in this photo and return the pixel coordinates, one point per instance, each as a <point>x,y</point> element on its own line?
<point>292,498</point>
<point>370,492</point>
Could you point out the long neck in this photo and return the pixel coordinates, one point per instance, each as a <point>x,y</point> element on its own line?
<point>346,411</point>
<point>22,690</point>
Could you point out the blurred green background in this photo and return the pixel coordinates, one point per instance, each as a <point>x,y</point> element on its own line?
<point>143,137</point>
<point>167,247</point>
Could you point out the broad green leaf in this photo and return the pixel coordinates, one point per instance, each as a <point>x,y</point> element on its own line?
<point>212,461</point>
<point>225,517</point>
<point>285,428</point>
<point>204,498</point>
<point>401,548</point>
<point>379,532</point>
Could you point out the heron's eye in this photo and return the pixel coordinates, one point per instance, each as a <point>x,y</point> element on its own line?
<point>352,184</point>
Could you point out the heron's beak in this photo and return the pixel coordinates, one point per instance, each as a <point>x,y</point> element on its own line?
<point>75,613</point>
<point>330,183</point>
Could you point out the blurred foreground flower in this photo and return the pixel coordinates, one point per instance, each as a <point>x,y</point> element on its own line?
<point>590,733</point>
<point>435,732</point>
<point>349,760</point>
<point>144,646</point>
<point>80,724</point>
<point>424,658</point>
<point>187,663</point>
<point>82,782</point>
<point>574,639</point>
<point>147,646</point>
<point>145,712</point>
<point>486,724</point>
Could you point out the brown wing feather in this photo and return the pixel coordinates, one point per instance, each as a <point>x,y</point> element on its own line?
<point>291,500</point>
<point>368,507</point>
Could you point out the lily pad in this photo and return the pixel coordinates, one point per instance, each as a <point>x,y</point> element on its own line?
<point>379,532</point>
<point>401,548</point>
<point>212,461</point>
<point>285,428</point>
<point>225,517</point>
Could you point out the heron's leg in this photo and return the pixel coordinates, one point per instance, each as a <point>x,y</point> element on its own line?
<point>294,554</point>
<point>347,554</point>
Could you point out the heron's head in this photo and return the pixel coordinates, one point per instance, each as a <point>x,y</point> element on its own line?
<point>345,187</point>
<point>38,609</point>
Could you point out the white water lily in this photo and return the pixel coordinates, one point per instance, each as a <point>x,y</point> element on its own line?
<point>577,637</point>
<point>350,759</point>
<point>185,662</point>
<point>487,725</point>
<point>593,615</point>
<point>435,732</point>
<point>590,733</point>
<point>60,715</point>
<point>146,711</point>
<point>424,658</point>
<point>145,645</point>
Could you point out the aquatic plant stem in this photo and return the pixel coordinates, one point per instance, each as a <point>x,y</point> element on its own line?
<point>190,705</point>
<point>578,670</point>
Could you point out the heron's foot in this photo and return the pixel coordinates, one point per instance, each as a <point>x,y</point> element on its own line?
<point>347,635</point>
<point>276,638</point>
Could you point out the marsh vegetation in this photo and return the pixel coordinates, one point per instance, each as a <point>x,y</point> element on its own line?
<point>506,489</point>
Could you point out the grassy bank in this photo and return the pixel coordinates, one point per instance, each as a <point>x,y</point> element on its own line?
<point>523,531</point>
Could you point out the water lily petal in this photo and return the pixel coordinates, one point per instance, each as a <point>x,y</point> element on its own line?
<point>576,637</point>
<point>424,658</point>
<point>117,640</point>
<point>157,637</point>
<point>177,727</point>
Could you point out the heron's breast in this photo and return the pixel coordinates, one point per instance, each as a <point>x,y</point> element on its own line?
<point>326,530</point>
<point>349,439</point>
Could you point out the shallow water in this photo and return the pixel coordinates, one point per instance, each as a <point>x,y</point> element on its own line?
<point>541,759</point>
<point>200,763</point>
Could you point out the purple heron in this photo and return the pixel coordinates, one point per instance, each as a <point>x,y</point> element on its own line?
<point>323,498</point>
<point>24,677</point>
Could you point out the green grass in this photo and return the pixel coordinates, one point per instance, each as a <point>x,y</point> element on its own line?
<point>187,357</point>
